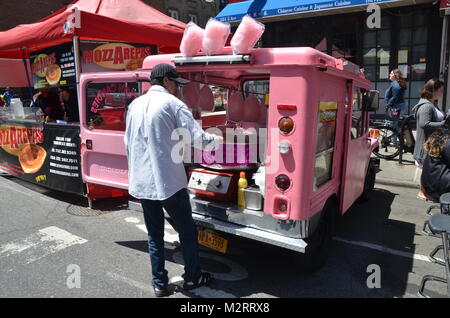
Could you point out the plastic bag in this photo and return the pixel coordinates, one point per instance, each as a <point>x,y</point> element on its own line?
<point>260,179</point>
<point>215,36</point>
<point>192,40</point>
<point>247,34</point>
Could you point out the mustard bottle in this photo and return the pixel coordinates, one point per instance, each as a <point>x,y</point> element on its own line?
<point>242,184</point>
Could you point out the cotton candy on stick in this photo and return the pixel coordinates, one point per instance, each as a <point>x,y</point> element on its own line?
<point>192,40</point>
<point>247,34</point>
<point>215,36</point>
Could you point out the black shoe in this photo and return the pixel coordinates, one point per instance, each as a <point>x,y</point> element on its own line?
<point>161,292</point>
<point>204,279</point>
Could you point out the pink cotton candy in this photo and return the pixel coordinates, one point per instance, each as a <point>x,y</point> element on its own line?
<point>190,94</point>
<point>206,99</point>
<point>251,109</point>
<point>192,40</point>
<point>235,107</point>
<point>215,36</point>
<point>247,34</point>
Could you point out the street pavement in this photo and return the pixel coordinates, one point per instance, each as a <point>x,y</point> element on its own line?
<point>52,245</point>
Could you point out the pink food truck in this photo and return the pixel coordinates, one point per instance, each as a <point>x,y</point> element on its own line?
<point>299,126</point>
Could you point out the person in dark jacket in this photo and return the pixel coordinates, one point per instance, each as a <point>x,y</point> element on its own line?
<point>435,177</point>
<point>48,101</point>
<point>429,118</point>
<point>70,101</point>
<point>394,95</point>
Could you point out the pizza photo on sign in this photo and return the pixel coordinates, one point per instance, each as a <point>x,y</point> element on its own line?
<point>31,157</point>
<point>53,74</point>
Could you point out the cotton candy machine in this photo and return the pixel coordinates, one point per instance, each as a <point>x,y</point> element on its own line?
<point>238,152</point>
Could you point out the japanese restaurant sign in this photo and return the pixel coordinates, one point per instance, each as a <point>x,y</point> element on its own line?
<point>106,56</point>
<point>54,66</point>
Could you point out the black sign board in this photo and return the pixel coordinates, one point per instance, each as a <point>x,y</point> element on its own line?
<point>53,66</point>
<point>47,155</point>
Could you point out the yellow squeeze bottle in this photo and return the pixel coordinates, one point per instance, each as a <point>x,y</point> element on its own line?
<point>242,184</point>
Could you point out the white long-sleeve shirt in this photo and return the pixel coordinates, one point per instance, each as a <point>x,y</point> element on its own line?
<point>151,119</point>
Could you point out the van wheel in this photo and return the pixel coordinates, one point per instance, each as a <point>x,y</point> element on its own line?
<point>319,243</point>
<point>369,185</point>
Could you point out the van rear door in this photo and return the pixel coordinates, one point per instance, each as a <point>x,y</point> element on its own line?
<point>104,99</point>
<point>357,149</point>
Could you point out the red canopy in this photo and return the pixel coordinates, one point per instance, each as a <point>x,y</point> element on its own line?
<point>129,21</point>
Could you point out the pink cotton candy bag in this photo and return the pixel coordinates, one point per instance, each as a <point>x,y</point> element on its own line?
<point>191,44</point>
<point>215,36</point>
<point>247,34</point>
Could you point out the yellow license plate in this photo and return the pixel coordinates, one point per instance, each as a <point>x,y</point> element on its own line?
<point>212,240</point>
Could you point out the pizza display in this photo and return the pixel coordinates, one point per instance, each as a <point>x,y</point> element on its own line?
<point>31,157</point>
<point>53,74</point>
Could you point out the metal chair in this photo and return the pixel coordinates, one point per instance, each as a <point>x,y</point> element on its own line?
<point>444,206</point>
<point>439,224</point>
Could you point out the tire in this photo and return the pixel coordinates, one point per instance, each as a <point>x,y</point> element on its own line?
<point>369,184</point>
<point>387,149</point>
<point>319,243</point>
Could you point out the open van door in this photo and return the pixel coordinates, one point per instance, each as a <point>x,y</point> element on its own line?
<point>357,149</point>
<point>104,100</point>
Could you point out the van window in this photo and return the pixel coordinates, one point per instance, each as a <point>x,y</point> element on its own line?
<point>107,104</point>
<point>258,88</point>
<point>357,128</point>
<point>326,132</point>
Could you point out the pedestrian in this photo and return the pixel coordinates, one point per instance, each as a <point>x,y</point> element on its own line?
<point>394,95</point>
<point>435,177</point>
<point>8,95</point>
<point>429,118</point>
<point>70,102</point>
<point>159,181</point>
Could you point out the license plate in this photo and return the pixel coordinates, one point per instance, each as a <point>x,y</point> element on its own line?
<point>212,240</point>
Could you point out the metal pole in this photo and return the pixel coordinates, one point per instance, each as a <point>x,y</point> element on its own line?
<point>443,69</point>
<point>76,54</point>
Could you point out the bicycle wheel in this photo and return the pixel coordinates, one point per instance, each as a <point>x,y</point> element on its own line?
<point>389,144</point>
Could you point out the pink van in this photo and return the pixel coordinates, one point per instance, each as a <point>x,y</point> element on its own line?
<point>306,148</point>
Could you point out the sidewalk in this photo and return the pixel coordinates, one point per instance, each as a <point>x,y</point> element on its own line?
<point>404,175</point>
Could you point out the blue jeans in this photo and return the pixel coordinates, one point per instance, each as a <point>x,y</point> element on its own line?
<point>179,209</point>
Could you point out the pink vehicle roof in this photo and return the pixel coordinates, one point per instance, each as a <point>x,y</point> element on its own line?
<point>264,58</point>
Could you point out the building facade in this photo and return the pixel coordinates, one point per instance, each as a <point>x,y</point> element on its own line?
<point>197,11</point>
<point>408,37</point>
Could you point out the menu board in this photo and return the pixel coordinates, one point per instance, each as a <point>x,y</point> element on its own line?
<point>53,66</point>
<point>99,56</point>
<point>47,155</point>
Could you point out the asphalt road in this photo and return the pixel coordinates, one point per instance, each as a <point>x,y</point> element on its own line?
<point>51,245</point>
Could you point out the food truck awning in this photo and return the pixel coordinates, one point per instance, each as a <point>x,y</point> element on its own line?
<point>131,21</point>
<point>15,70</point>
<point>276,10</point>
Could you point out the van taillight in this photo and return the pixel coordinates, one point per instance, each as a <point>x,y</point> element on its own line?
<point>286,124</point>
<point>283,182</point>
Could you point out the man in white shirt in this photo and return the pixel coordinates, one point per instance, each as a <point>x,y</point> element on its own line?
<point>158,180</point>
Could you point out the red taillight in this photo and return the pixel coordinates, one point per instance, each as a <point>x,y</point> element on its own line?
<point>286,124</point>
<point>283,182</point>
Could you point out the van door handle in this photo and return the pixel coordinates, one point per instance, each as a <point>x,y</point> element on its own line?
<point>89,144</point>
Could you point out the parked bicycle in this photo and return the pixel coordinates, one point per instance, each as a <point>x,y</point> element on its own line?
<point>393,141</point>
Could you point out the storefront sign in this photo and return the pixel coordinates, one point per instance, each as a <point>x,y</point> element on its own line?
<point>53,66</point>
<point>46,155</point>
<point>105,56</point>
<point>236,11</point>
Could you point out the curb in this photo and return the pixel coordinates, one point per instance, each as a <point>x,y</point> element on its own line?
<point>397,183</point>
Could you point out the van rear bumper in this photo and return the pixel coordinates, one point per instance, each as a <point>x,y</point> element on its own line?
<point>295,244</point>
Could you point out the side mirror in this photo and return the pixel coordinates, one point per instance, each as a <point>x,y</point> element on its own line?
<point>371,101</point>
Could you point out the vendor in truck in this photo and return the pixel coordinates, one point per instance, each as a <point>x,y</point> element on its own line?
<point>48,101</point>
<point>70,102</point>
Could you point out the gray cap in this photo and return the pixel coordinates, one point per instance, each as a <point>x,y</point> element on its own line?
<point>167,70</point>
